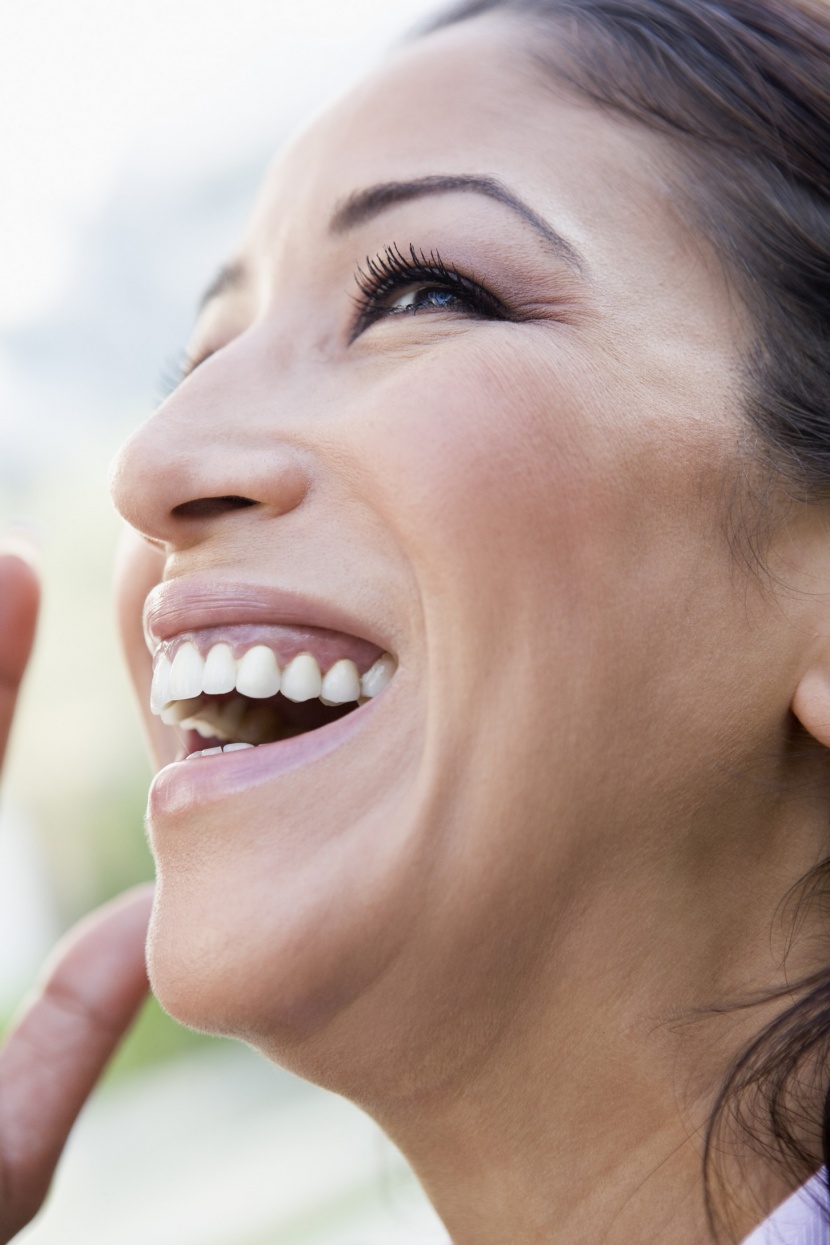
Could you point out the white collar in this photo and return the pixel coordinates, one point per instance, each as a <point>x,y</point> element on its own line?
<point>801,1220</point>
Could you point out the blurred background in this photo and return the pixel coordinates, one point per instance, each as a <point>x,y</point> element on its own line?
<point>132,140</point>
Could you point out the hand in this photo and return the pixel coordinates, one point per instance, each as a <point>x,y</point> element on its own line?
<point>89,993</point>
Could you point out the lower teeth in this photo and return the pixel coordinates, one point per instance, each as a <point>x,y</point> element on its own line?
<point>212,752</point>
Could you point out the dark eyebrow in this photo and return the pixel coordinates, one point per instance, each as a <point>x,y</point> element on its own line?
<point>229,277</point>
<point>362,205</point>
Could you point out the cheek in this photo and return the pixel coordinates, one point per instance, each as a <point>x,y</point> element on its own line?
<point>494,462</point>
<point>497,473</point>
<point>564,522</point>
<point>454,459</point>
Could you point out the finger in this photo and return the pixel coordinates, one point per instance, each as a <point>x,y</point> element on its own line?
<point>19,598</point>
<point>67,1032</point>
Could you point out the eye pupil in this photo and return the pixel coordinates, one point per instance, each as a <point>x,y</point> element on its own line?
<point>441,298</point>
<point>425,296</point>
<point>394,284</point>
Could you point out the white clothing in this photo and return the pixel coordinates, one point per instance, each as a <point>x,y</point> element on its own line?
<point>801,1220</point>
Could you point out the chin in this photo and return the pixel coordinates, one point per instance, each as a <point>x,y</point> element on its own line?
<point>238,947</point>
<point>285,866</point>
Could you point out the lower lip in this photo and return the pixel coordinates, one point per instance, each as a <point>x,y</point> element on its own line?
<point>197,781</point>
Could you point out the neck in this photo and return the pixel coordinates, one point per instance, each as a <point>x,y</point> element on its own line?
<point>587,1119</point>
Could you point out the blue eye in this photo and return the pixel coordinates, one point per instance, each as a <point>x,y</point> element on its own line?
<point>393,284</point>
<point>426,298</point>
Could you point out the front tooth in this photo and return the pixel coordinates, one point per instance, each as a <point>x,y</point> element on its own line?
<point>186,674</point>
<point>301,678</point>
<point>220,670</point>
<point>258,675</point>
<point>341,683</point>
<point>237,747</point>
<point>160,692</point>
<point>378,676</point>
<point>173,714</point>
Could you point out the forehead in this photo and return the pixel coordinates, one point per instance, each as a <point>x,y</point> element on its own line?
<point>469,99</point>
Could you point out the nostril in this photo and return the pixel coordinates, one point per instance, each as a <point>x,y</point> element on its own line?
<point>209,507</point>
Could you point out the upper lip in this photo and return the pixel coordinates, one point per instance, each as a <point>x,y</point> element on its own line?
<point>186,605</point>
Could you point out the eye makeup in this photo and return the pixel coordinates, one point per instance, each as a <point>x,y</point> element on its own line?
<point>433,286</point>
<point>395,282</point>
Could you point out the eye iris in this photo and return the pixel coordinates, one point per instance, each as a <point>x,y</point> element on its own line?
<point>425,297</point>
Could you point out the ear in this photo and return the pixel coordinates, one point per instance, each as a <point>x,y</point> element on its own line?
<point>811,701</point>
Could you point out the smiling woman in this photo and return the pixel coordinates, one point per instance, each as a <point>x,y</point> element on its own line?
<point>479,607</point>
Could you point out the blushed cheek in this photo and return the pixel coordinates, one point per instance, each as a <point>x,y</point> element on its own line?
<point>538,495</point>
<point>489,469</point>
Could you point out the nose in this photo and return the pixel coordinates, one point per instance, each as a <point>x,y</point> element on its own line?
<point>203,456</point>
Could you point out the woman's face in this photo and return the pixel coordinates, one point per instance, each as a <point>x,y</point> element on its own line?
<point>503,455</point>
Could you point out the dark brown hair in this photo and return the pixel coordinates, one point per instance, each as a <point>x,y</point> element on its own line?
<point>742,88</point>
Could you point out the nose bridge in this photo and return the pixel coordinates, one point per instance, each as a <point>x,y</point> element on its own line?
<point>213,447</point>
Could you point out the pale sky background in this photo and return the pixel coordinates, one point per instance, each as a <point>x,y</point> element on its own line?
<point>132,136</point>
<point>82,85</point>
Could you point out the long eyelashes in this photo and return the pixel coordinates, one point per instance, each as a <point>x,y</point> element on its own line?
<point>388,273</point>
<point>174,370</point>
<point>392,271</point>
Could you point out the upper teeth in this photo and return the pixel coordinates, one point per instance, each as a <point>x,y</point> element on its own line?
<point>256,674</point>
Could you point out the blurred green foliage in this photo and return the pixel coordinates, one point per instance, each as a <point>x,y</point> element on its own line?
<point>154,1037</point>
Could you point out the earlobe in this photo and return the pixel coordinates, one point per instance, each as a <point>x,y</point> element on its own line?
<point>811,701</point>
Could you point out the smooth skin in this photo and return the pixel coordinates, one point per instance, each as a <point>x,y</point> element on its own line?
<point>500,916</point>
<point>87,996</point>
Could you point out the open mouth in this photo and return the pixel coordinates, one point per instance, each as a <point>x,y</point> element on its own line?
<point>226,689</point>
